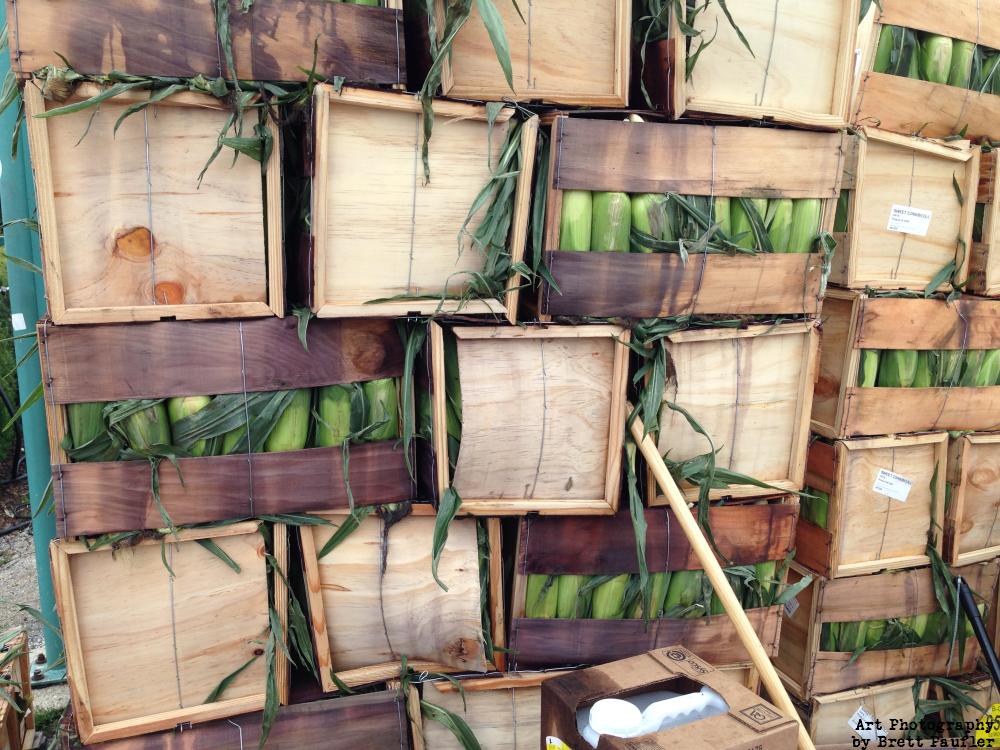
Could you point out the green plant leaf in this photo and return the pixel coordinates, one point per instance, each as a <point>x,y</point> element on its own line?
<point>220,553</point>
<point>228,680</point>
<point>494,27</point>
<point>447,509</point>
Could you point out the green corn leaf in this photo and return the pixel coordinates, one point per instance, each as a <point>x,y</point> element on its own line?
<point>448,507</point>
<point>452,722</point>
<point>220,553</point>
<point>346,528</point>
<point>228,680</point>
<point>494,27</point>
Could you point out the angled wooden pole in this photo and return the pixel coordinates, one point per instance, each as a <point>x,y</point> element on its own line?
<point>709,563</point>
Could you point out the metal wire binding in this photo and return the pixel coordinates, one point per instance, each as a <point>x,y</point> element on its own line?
<point>57,469</point>
<point>909,202</point>
<point>173,621</point>
<point>545,413</point>
<point>238,727</point>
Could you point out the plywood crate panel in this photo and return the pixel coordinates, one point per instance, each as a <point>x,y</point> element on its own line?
<point>799,71</point>
<point>561,52</point>
<point>745,534</point>
<point>751,390</point>
<point>984,254</point>
<point>379,230</point>
<point>186,632</point>
<point>853,321</point>
<point>543,413</point>
<point>935,110</point>
<point>868,530</point>
<point>888,173</point>
<point>365,618</point>
<point>17,713</point>
<point>829,716</point>
<point>179,358</point>
<point>970,530</point>
<point>271,42</point>
<point>127,232</point>
<point>810,671</point>
<point>636,157</point>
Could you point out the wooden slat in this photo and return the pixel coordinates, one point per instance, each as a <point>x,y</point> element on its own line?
<point>876,411</point>
<point>974,475</point>
<point>832,671</point>
<point>545,643</point>
<point>94,498</point>
<point>745,534</point>
<point>640,285</point>
<point>177,358</point>
<point>813,547</point>
<point>501,718</point>
<point>655,158</point>
<point>829,717</point>
<point>900,323</point>
<point>967,19</point>
<point>274,41</point>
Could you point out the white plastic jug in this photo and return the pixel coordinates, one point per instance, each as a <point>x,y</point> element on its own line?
<point>647,713</point>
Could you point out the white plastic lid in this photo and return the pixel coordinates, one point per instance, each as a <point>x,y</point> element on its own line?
<point>615,717</point>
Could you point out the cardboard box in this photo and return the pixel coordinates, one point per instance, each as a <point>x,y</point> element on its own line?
<point>750,723</point>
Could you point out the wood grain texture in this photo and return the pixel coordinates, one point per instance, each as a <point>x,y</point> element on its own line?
<point>189,631</point>
<point>829,715</point>
<point>895,323</point>
<point>375,718</point>
<point>800,69</point>
<point>655,158</point>
<point>745,534</point>
<point>550,643</point>
<point>874,411</point>
<point>984,256</point>
<point>594,71</point>
<point>834,352</point>
<point>178,358</point>
<point>640,285</point>
<point>970,530</point>
<point>969,20</point>
<point>502,719</point>
<point>273,42</point>
<point>94,498</point>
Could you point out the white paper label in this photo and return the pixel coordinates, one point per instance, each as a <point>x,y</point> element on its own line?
<point>892,485</point>
<point>909,220</point>
<point>17,322</point>
<point>863,724</point>
<point>791,607</point>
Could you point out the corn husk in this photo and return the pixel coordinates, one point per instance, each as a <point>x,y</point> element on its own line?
<point>570,604</point>
<point>291,431</point>
<point>779,229</point>
<point>86,422</point>
<point>147,428</point>
<point>742,226</point>
<point>184,406</point>
<point>658,594</point>
<point>541,597</point>
<point>650,215</point>
<point>722,215</point>
<point>935,58</point>
<point>608,602</point>
<point>897,368</point>
<point>382,402</point>
<point>840,222</point>
<point>612,223</point>
<point>870,358</point>
<point>333,405</point>
<point>923,377</point>
<point>576,220</point>
<point>806,214</point>
<point>962,55</point>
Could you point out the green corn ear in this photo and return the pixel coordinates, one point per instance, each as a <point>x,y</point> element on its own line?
<point>780,227</point>
<point>918,624</point>
<point>935,58</point>
<point>383,403</point>
<point>923,378</point>
<point>650,216</point>
<point>684,591</point>
<point>722,215</point>
<point>874,632</point>
<point>576,220</point>
<point>989,369</point>
<point>608,602</point>
<point>970,369</point>
<point>736,583</point>
<point>86,422</point>
<point>897,368</point>
<point>853,635</point>
<point>867,378</point>
<point>843,211</point>
<point>658,592</point>
<point>936,630</point>
<point>185,406</point>
<point>333,404</point>
<point>883,54</point>
<point>977,222</point>
<point>806,214</point>
<point>820,508</point>
<point>828,636</point>
<point>768,585</point>
<point>962,54</point>
<point>969,632</point>
<point>740,222</point>
<point>612,223</point>
<point>291,431</point>
<point>950,369</point>
<point>542,597</point>
<point>231,438</point>
<point>147,428</point>
<point>990,83</point>
<point>569,604</point>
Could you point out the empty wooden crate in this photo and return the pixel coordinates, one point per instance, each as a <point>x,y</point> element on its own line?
<point>875,501</point>
<point>909,105</point>
<point>385,241</point>
<point>798,68</point>
<point>973,506</point>
<point>152,656</point>
<point>846,404</point>
<point>984,256</point>
<point>815,659</point>
<point>751,390</point>
<point>540,417</point>
<point>246,366</point>
<point>832,719</point>
<point>373,599</point>
<point>131,231</point>
<point>707,163</point>
<point>272,40</point>
<point>909,215</point>
<point>555,553</point>
<point>592,69</point>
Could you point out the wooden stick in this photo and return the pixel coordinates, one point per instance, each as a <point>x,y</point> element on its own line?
<point>720,583</point>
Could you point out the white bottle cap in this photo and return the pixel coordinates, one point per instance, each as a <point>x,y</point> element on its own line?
<point>615,717</point>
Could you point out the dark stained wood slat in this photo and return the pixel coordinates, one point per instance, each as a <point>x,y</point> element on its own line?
<point>95,498</point>
<point>899,323</point>
<point>190,358</point>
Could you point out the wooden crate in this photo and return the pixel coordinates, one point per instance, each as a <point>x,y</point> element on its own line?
<point>935,110</point>
<point>17,716</point>
<point>127,232</point>
<point>853,321</point>
<point>156,360</point>
<point>369,720</point>
<point>829,717</point>
<point>800,71</point>
<point>970,532</point>
<point>364,619</point>
<point>593,70</point>
<point>379,230</point>
<point>984,257</point>
<point>751,390</point>
<point>145,660</point>
<point>272,42</point>
<point>886,171</point>
<point>745,534</point>
<point>543,417</point>
<point>867,528</point>
<point>691,160</point>
<point>808,671</point>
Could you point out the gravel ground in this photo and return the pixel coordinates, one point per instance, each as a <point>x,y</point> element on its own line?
<point>18,583</point>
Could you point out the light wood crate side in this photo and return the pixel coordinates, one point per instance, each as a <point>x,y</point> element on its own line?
<point>971,532</point>
<point>829,718</point>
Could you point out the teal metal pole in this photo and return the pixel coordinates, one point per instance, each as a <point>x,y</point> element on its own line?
<point>27,304</point>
